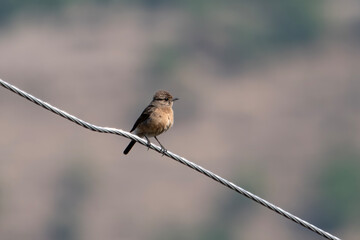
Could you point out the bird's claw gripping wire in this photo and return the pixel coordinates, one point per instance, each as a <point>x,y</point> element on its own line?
<point>163,151</point>
<point>148,144</point>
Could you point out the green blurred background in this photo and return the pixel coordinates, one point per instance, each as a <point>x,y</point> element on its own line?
<point>269,99</point>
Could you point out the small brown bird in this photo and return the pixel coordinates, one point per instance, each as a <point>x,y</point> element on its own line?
<point>156,118</point>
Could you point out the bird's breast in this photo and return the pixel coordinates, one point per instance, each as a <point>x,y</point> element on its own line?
<point>159,121</point>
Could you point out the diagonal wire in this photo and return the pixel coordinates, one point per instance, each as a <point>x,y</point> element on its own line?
<point>170,155</point>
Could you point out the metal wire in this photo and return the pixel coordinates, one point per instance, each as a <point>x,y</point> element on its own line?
<point>172,156</point>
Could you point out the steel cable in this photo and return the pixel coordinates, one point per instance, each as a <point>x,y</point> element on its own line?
<point>172,156</point>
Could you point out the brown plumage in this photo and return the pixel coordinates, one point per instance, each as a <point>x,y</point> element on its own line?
<point>156,118</point>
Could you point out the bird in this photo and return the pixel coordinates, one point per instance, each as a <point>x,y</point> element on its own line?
<point>156,118</point>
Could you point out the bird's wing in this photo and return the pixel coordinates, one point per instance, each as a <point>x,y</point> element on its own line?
<point>143,117</point>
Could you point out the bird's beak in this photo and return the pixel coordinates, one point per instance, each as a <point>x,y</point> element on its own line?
<point>175,99</point>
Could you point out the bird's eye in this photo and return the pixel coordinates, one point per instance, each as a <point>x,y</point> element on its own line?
<point>166,99</point>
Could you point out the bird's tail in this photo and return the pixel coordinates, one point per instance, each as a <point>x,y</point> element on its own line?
<point>128,148</point>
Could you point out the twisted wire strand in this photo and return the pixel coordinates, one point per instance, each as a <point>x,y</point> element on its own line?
<point>172,156</point>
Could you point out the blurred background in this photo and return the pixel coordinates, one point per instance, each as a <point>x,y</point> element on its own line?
<point>269,99</point>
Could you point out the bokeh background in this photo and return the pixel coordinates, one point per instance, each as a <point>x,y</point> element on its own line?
<point>269,99</point>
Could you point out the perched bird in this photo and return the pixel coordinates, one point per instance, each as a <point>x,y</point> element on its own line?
<point>156,118</point>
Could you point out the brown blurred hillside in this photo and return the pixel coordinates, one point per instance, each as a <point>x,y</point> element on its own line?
<point>282,122</point>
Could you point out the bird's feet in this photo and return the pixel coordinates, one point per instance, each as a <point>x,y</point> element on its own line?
<point>148,143</point>
<point>163,151</point>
